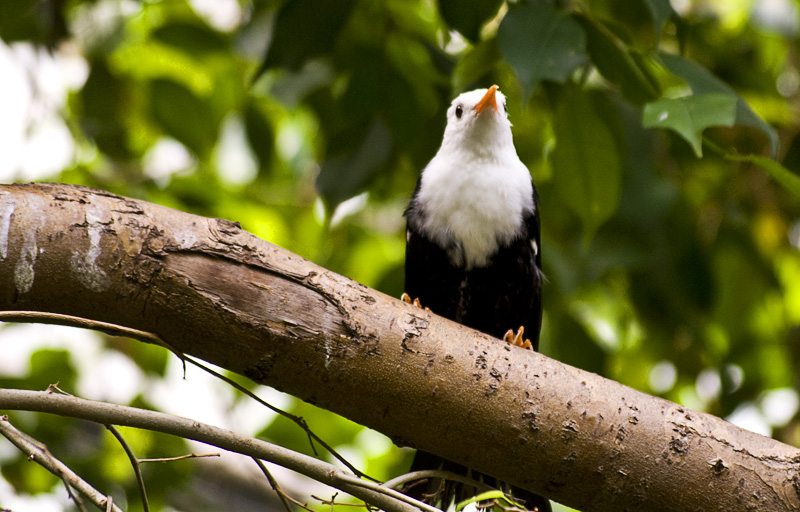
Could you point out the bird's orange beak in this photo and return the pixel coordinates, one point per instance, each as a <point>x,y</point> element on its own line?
<point>487,100</point>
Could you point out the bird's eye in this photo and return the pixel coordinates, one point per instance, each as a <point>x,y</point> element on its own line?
<point>505,108</point>
<point>459,111</point>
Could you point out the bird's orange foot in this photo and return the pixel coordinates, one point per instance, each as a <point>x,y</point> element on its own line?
<point>517,338</point>
<point>407,298</point>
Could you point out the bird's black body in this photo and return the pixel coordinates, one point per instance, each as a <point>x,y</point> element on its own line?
<point>503,295</point>
<point>472,252</point>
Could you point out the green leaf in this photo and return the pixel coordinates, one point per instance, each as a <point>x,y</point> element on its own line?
<point>586,161</point>
<point>488,495</point>
<point>183,115</point>
<point>690,115</point>
<point>305,29</point>
<point>260,135</point>
<point>779,173</point>
<point>661,10</point>
<point>33,21</point>
<point>344,175</point>
<point>192,38</point>
<point>468,16</point>
<point>617,63</point>
<point>476,62</point>
<point>105,101</point>
<point>541,43</point>
<point>703,81</point>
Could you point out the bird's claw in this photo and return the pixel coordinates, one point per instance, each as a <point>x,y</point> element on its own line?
<point>517,338</point>
<point>407,298</point>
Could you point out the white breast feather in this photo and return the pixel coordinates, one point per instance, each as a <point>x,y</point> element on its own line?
<point>479,202</point>
<point>475,191</point>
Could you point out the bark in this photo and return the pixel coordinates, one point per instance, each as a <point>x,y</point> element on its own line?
<point>210,289</point>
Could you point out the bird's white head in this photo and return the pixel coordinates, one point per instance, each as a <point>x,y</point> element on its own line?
<point>474,194</point>
<point>478,121</point>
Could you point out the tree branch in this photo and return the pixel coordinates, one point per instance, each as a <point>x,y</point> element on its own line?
<point>44,458</point>
<point>112,414</point>
<point>210,289</point>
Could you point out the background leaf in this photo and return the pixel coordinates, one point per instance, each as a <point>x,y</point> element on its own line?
<point>587,160</point>
<point>661,11</point>
<point>541,42</point>
<point>343,175</point>
<point>183,115</point>
<point>702,81</point>
<point>295,40</point>
<point>617,63</point>
<point>468,16</point>
<point>690,115</point>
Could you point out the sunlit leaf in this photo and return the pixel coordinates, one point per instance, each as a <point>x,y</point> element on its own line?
<point>541,43</point>
<point>468,16</point>
<point>703,81</point>
<point>690,115</point>
<point>488,495</point>
<point>586,162</point>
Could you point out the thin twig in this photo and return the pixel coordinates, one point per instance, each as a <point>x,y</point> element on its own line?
<point>435,473</point>
<point>333,502</point>
<point>352,479</point>
<point>137,470</point>
<point>38,453</point>
<point>147,337</point>
<point>301,422</point>
<point>74,497</point>
<point>274,483</point>
<point>181,457</point>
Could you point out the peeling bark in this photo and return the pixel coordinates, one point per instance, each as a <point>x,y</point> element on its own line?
<point>212,290</point>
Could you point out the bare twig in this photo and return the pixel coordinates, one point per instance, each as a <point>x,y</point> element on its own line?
<point>275,487</point>
<point>301,422</point>
<point>137,470</point>
<point>181,457</point>
<point>38,453</point>
<point>332,502</point>
<point>104,413</point>
<point>434,473</point>
<point>76,498</point>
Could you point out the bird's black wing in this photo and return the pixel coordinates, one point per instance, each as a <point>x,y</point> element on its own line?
<point>430,276</point>
<point>534,272</point>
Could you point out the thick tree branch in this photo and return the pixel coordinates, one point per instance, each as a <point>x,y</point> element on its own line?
<point>210,289</point>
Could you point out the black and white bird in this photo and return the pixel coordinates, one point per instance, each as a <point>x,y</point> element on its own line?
<point>473,249</point>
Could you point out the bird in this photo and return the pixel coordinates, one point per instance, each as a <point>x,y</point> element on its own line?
<point>473,251</point>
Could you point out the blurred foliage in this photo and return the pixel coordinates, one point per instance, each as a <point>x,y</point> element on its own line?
<point>308,122</point>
